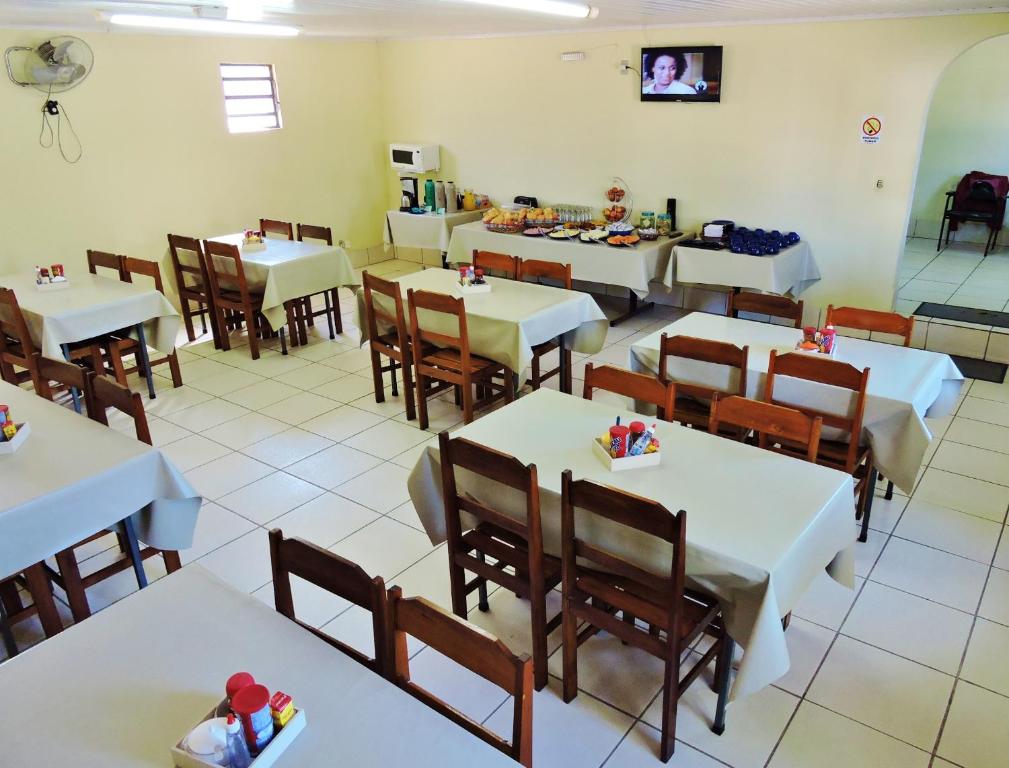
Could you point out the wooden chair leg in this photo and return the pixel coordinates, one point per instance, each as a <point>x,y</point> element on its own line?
<point>457,584</point>
<point>307,306</point>
<point>225,336</point>
<point>337,316</point>
<point>538,614</point>
<point>421,402</point>
<point>376,376</point>
<point>172,560</point>
<point>392,378</point>
<point>10,644</point>
<point>173,364</point>
<point>510,383</point>
<point>293,309</point>
<point>10,598</point>
<point>467,400</point>
<point>569,649</point>
<point>250,319</point>
<point>534,378</point>
<point>329,315</point>
<point>42,595</point>
<point>187,319</point>
<point>72,584</point>
<point>408,388</point>
<point>670,700</point>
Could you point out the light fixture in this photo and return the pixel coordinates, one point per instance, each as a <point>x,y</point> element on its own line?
<point>555,7</point>
<point>194,24</point>
<point>245,10</point>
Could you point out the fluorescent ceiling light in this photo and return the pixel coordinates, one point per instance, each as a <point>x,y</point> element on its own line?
<point>214,26</point>
<point>245,10</point>
<point>555,7</point>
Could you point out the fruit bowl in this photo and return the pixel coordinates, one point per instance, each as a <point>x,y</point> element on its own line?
<point>615,194</point>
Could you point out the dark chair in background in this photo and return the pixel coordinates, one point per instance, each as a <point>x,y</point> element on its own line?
<point>979,197</point>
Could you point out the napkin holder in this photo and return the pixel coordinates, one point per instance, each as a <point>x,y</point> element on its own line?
<point>469,290</point>
<point>625,462</point>
<point>8,447</point>
<point>270,754</point>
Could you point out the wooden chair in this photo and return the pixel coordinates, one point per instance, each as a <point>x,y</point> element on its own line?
<point>845,450</point>
<point>448,358</point>
<point>766,304</point>
<point>693,401</point>
<point>476,650</point>
<point>103,260</point>
<point>871,320</point>
<point>331,297</point>
<point>770,423</point>
<point>560,273</point>
<point>394,344</point>
<point>106,393</point>
<point>230,291</point>
<point>120,346</point>
<point>498,264</point>
<point>598,583</point>
<point>66,376</point>
<point>639,387</point>
<point>284,228</point>
<point>192,284</point>
<point>13,610</point>
<point>334,574</point>
<point>497,541</point>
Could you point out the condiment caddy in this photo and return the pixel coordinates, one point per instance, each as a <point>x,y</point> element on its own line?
<point>250,727</point>
<point>51,278</point>
<point>471,281</point>
<point>818,342</point>
<point>253,241</point>
<point>12,436</point>
<point>628,447</point>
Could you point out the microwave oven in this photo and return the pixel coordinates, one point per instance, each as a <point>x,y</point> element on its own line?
<point>414,158</point>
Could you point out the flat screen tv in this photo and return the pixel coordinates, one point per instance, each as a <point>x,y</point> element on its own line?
<point>681,73</point>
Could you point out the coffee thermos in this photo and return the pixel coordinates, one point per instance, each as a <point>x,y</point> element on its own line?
<point>451,199</point>
<point>429,201</point>
<point>439,195</point>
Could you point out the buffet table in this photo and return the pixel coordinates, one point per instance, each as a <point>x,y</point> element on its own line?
<point>760,526</point>
<point>792,270</point>
<point>630,268</point>
<point>127,684</point>
<point>432,231</point>
<point>905,384</point>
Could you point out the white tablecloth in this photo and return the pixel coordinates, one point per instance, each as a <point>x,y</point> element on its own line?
<point>427,230</point>
<point>905,384</point>
<point>133,679</point>
<point>289,269</point>
<point>505,324</point>
<point>760,526</point>
<point>594,262</point>
<point>73,477</point>
<point>792,270</point>
<point>91,306</point>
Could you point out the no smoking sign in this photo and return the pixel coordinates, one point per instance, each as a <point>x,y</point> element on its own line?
<point>871,130</point>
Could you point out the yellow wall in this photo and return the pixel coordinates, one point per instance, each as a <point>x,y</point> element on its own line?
<point>781,150</point>
<point>158,157</point>
<point>968,129</point>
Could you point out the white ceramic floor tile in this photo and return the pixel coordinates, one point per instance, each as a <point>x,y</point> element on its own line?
<point>309,377</point>
<point>988,390</point>
<point>885,514</point>
<point>388,439</point>
<point>215,527</point>
<point>818,737</point>
<point>164,432</point>
<point>193,451</point>
<point>1002,554</point>
<point>174,400</point>
<point>826,602</point>
<point>382,488</point>
<point>274,365</point>
<point>990,411</point>
<point>201,370</point>
<point>350,361</point>
<point>965,494</point>
<point>354,627</point>
<point>244,563</point>
<point>342,422</point>
<point>345,389</point>
<point>115,588</point>
<point>244,431</point>
<point>995,603</point>
<point>867,552</point>
<point>390,407</point>
<point>301,407</point>
<point>807,645</point>
<point>333,466</point>
<point>226,474</point>
<point>985,663</point>
<point>932,574</point>
<point>975,735</point>
<point>287,447</point>
<point>897,622</point>
<point>949,530</point>
<point>885,692</point>
<point>265,393</point>
<point>223,382</point>
<point>409,458</point>
<point>313,605</point>
<point>973,462</point>
<point>474,696</point>
<point>270,497</point>
<point>384,548</point>
<point>199,418</point>
<point>324,520</point>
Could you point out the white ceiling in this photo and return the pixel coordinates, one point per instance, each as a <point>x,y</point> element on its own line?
<point>427,18</point>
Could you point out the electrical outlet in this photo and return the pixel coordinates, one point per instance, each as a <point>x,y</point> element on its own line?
<point>625,66</point>
<point>879,183</point>
<point>343,243</point>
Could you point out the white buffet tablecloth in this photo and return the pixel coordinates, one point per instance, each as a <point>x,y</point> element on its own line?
<point>760,526</point>
<point>134,679</point>
<point>425,230</point>
<point>91,306</point>
<point>594,262</point>
<point>905,384</point>
<point>792,270</point>
<point>73,477</point>
<point>505,324</point>
<point>289,269</point>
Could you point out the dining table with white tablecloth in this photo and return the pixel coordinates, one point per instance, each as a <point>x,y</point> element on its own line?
<point>905,384</point>
<point>791,271</point>
<point>432,231</point>
<point>760,525</point>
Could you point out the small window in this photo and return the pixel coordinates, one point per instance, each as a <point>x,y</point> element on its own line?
<point>250,97</point>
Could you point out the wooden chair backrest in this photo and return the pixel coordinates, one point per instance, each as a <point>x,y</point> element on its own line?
<point>766,304</point>
<point>707,351</point>
<point>497,262</point>
<point>67,375</point>
<point>312,232</point>
<point>448,305</point>
<point>871,320</point>
<point>214,250</point>
<point>637,386</point>
<point>143,267</point>
<point>374,311</point>
<point>635,514</point>
<point>105,260</point>
<point>197,272</point>
<point>284,228</point>
<point>823,371</point>
<point>107,393</point>
<point>334,574</point>
<point>13,324</point>
<point>551,270</point>
<point>770,422</point>
<point>473,648</point>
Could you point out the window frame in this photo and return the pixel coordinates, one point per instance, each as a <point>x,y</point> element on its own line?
<point>274,95</point>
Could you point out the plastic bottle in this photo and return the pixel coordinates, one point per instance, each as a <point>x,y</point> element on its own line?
<point>468,200</point>
<point>642,442</point>
<point>238,750</point>
<point>429,197</point>
<point>439,195</point>
<point>451,197</point>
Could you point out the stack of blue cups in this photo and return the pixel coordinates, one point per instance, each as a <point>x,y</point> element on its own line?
<point>757,242</point>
